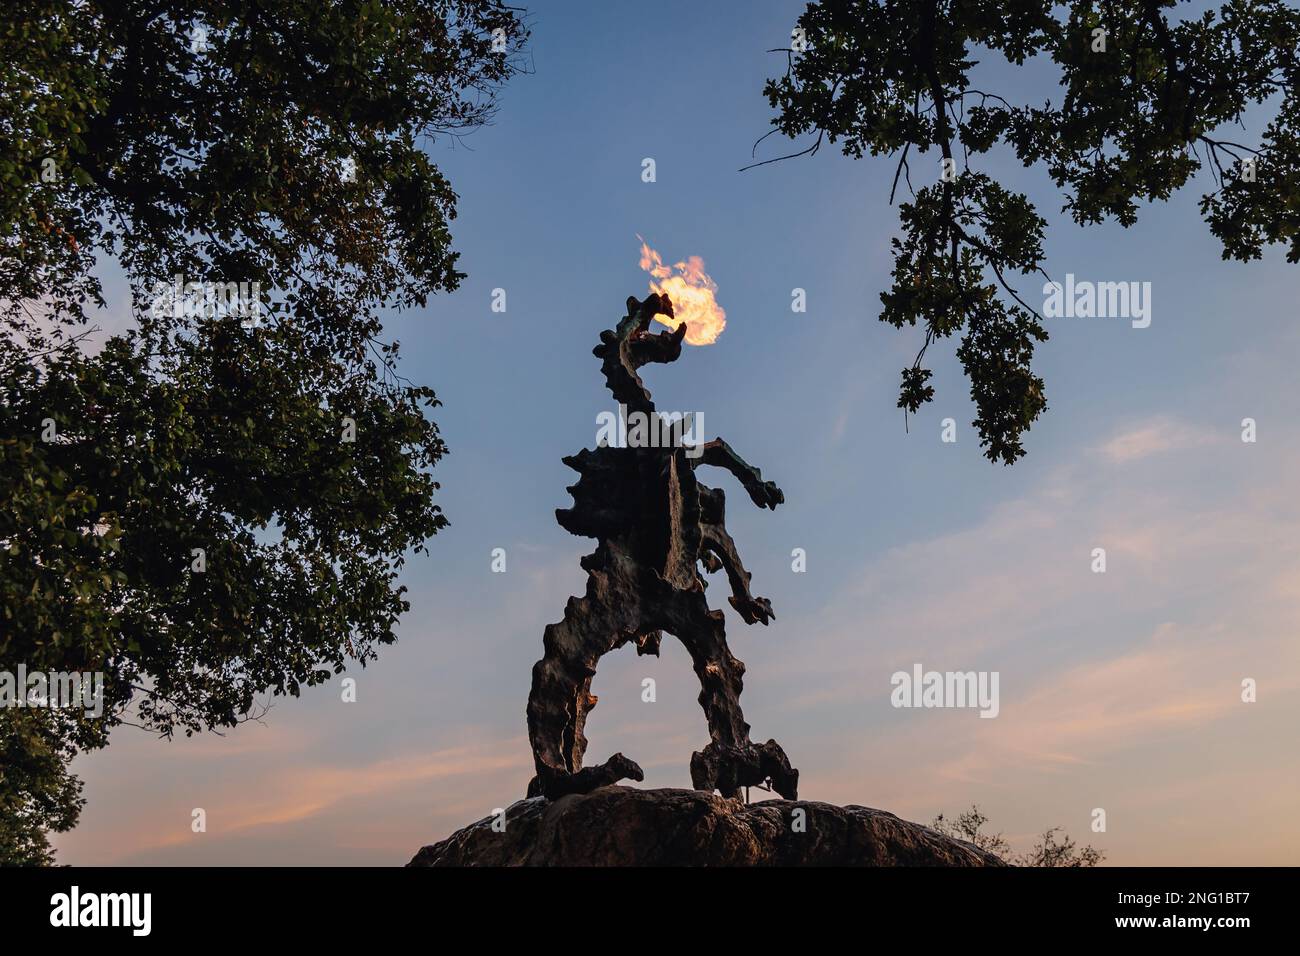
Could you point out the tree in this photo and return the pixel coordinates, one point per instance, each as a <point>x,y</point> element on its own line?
<point>1048,851</point>
<point>215,506</point>
<point>1144,97</point>
<point>37,793</point>
<point>969,826</point>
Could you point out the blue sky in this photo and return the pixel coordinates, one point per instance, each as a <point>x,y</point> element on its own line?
<point>1119,691</point>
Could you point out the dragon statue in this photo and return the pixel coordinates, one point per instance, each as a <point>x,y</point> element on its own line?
<point>656,525</point>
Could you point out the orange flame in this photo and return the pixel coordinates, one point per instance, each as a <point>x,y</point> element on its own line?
<point>691,291</point>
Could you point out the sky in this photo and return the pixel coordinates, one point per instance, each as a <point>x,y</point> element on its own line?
<point>1119,691</point>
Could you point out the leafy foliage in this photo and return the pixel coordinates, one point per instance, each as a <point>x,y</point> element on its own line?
<point>1134,123</point>
<point>37,793</point>
<point>226,142</point>
<point>1049,850</point>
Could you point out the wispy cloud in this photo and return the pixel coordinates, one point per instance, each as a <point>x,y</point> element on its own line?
<point>1156,436</point>
<point>1201,591</point>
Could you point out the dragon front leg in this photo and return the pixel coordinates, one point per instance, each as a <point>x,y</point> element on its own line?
<point>719,550</point>
<point>765,494</point>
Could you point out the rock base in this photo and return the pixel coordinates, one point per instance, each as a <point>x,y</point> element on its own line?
<point>623,826</point>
